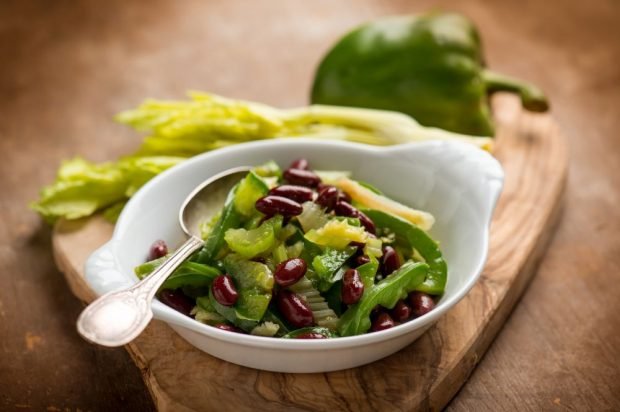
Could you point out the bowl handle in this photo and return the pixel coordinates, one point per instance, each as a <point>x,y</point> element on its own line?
<point>465,160</point>
<point>102,273</point>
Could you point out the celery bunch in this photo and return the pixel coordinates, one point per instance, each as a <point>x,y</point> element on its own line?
<point>181,129</point>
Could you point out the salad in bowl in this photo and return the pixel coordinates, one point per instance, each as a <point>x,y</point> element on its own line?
<point>246,297</point>
<point>304,254</point>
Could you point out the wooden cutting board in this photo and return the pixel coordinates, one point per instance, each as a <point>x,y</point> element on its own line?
<point>425,375</point>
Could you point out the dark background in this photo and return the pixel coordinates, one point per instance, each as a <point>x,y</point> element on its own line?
<point>66,67</point>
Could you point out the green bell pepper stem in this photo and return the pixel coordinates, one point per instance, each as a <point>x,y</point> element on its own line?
<point>532,98</point>
<point>418,239</point>
<point>356,320</point>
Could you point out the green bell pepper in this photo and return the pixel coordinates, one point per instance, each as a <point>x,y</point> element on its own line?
<point>428,66</point>
<point>356,320</point>
<point>328,264</point>
<point>311,329</point>
<point>254,282</point>
<point>188,274</point>
<point>435,282</point>
<point>229,218</point>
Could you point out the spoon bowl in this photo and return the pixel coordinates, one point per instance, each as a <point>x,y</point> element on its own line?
<point>118,317</point>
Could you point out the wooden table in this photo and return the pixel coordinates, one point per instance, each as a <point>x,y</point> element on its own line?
<point>66,67</point>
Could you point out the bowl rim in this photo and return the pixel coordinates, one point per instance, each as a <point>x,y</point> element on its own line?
<point>489,166</point>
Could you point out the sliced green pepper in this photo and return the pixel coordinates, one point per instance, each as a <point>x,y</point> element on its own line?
<point>232,315</point>
<point>269,169</point>
<point>327,265</point>
<point>356,320</point>
<point>229,218</point>
<point>312,329</point>
<point>191,274</point>
<point>188,274</point>
<point>367,272</point>
<point>418,239</point>
<point>254,282</point>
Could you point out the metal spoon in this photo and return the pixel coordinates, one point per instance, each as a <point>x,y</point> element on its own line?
<point>117,318</point>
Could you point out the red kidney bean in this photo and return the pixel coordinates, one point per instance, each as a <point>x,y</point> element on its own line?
<point>321,186</point>
<point>290,271</point>
<point>389,261</point>
<point>272,205</point>
<point>302,177</point>
<point>368,224</point>
<point>421,303</point>
<point>344,196</point>
<point>362,260</point>
<point>300,164</point>
<point>228,328</point>
<point>376,311</point>
<point>224,290</point>
<point>401,312</point>
<point>382,321</point>
<point>359,245</point>
<point>294,309</point>
<point>346,209</point>
<point>327,198</point>
<point>352,287</point>
<point>177,300</point>
<point>297,193</point>
<point>158,249</point>
<point>310,335</point>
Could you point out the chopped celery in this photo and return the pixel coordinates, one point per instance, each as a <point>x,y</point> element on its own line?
<point>322,313</point>
<point>312,217</point>
<point>249,274</point>
<point>337,234</point>
<point>250,189</point>
<point>269,169</point>
<point>286,232</point>
<point>374,247</point>
<point>295,250</point>
<point>253,242</point>
<point>279,254</point>
<point>266,328</point>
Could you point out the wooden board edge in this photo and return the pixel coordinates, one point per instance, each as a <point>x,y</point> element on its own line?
<point>451,382</point>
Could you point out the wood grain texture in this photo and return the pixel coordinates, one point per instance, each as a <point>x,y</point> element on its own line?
<point>66,67</point>
<point>427,374</point>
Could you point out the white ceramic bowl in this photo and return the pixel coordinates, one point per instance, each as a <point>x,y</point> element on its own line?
<point>457,183</point>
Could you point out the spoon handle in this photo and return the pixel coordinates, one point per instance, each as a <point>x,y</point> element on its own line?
<point>118,317</point>
<point>150,284</point>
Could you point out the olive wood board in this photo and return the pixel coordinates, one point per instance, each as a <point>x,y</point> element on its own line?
<point>424,375</point>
